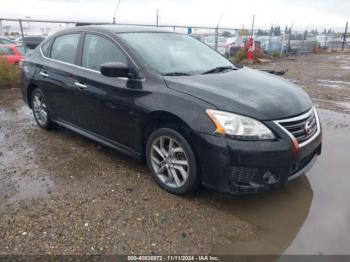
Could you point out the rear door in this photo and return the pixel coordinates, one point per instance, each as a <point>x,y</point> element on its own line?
<point>56,75</point>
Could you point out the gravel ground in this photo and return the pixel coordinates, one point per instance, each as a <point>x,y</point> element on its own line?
<point>63,194</point>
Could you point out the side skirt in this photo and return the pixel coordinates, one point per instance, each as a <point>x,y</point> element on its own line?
<point>114,145</point>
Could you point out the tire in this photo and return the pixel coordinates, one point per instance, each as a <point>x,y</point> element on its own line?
<point>163,162</point>
<point>39,107</point>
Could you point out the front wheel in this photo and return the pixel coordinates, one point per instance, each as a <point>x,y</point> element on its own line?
<point>40,110</point>
<point>172,161</point>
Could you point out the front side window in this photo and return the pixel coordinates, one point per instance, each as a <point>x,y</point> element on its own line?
<point>99,50</point>
<point>65,47</point>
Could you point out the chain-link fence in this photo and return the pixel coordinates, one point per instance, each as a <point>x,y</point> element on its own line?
<point>227,41</point>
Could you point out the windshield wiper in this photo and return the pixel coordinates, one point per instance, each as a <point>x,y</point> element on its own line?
<point>176,74</point>
<point>219,69</point>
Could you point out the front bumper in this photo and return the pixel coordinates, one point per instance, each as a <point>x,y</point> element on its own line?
<point>244,167</point>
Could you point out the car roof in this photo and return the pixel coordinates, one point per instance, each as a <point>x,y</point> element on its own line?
<point>116,28</point>
<point>33,37</point>
<point>9,45</point>
<point>12,46</point>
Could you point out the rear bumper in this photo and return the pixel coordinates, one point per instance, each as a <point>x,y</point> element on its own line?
<point>242,167</point>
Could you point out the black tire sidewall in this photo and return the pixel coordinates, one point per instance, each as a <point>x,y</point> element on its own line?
<point>192,182</point>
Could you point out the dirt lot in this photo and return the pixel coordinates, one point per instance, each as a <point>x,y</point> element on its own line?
<point>63,194</point>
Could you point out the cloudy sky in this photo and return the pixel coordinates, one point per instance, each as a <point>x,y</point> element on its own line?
<point>303,13</point>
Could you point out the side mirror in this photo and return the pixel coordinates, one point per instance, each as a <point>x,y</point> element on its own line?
<point>115,69</point>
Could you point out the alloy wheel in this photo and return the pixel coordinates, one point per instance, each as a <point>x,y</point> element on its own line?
<point>40,109</point>
<point>169,161</point>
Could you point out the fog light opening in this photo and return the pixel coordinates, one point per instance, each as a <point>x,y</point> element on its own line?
<point>269,178</point>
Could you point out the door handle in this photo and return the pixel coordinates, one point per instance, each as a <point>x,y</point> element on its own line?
<point>80,85</point>
<point>44,74</point>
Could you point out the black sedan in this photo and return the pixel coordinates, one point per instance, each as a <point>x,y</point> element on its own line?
<point>197,118</point>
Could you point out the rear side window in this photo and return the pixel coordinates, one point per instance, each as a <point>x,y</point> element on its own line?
<point>6,50</point>
<point>65,48</point>
<point>99,50</point>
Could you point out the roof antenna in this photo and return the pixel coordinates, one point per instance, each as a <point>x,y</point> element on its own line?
<point>115,11</point>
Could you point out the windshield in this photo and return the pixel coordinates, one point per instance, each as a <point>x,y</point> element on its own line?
<point>169,53</point>
<point>21,49</point>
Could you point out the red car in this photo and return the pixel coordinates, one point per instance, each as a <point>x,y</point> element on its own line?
<point>14,54</point>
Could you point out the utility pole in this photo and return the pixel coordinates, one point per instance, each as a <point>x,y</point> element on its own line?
<point>252,34</point>
<point>1,28</point>
<point>21,27</point>
<point>157,17</point>
<point>115,11</point>
<point>344,39</point>
<point>217,32</point>
<point>290,35</point>
<point>28,17</point>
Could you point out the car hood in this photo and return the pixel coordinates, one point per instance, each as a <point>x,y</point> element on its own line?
<point>245,91</point>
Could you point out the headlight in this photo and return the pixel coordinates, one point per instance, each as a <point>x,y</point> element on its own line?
<point>240,127</point>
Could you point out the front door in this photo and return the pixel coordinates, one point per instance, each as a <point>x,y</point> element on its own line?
<point>104,105</point>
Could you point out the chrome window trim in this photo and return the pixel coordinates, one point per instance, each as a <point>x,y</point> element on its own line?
<point>65,63</point>
<point>88,69</point>
<point>303,116</point>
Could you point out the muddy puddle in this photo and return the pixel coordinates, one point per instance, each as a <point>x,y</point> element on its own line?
<point>21,177</point>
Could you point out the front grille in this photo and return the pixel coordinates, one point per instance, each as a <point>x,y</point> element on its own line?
<point>303,127</point>
<point>244,175</point>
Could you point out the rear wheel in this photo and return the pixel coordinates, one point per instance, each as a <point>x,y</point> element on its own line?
<point>172,161</point>
<point>40,110</point>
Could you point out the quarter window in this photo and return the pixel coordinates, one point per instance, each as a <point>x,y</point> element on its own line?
<point>65,47</point>
<point>45,47</point>
<point>99,50</point>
